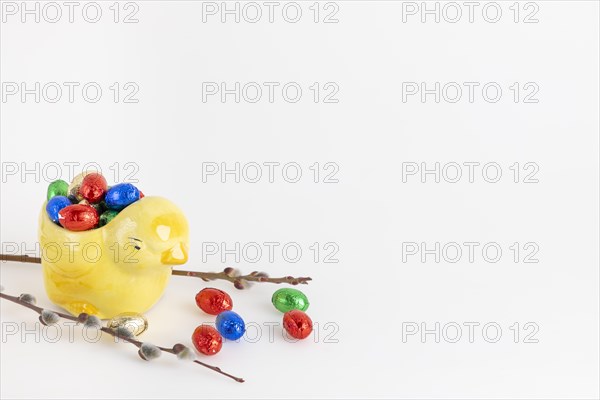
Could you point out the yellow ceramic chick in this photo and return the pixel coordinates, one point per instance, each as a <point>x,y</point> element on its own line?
<point>123,266</point>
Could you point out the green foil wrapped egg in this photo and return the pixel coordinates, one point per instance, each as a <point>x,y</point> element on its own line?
<point>58,188</point>
<point>288,299</point>
<point>100,207</point>
<point>107,216</point>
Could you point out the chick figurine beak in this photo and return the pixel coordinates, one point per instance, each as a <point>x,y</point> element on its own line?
<point>123,266</point>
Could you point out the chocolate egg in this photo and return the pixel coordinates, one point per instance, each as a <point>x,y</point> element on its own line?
<point>93,187</point>
<point>297,324</point>
<point>230,325</point>
<point>288,299</point>
<point>213,301</point>
<point>120,196</point>
<point>57,188</point>
<point>55,205</point>
<point>207,340</point>
<point>100,207</point>
<point>134,322</point>
<point>75,185</point>
<point>78,217</point>
<point>107,216</point>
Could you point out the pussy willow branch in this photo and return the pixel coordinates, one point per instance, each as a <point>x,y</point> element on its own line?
<point>228,274</point>
<point>114,333</point>
<point>23,258</point>
<point>231,275</point>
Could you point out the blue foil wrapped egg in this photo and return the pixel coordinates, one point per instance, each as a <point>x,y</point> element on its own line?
<point>56,204</point>
<point>120,196</point>
<point>230,325</point>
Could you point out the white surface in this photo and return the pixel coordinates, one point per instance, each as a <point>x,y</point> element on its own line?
<point>370,293</point>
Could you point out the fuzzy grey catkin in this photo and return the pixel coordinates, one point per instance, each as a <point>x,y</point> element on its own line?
<point>27,298</point>
<point>49,317</point>
<point>148,351</point>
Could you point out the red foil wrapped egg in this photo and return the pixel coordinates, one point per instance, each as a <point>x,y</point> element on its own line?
<point>207,340</point>
<point>213,301</point>
<point>93,187</point>
<point>297,324</point>
<point>78,217</point>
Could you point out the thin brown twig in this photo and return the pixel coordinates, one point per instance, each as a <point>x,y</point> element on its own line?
<point>231,275</point>
<point>228,274</point>
<point>20,258</point>
<point>112,332</point>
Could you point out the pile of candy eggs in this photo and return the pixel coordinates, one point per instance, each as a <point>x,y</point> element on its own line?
<point>209,341</point>
<point>88,202</point>
<point>293,303</point>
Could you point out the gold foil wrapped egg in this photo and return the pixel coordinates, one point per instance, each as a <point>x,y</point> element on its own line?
<point>133,322</point>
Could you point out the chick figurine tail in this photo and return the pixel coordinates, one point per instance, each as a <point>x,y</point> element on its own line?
<point>123,266</point>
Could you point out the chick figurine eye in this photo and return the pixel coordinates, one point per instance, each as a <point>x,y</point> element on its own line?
<point>136,243</point>
<point>123,266</point>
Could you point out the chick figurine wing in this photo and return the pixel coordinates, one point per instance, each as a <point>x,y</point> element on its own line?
<point>123,266</point>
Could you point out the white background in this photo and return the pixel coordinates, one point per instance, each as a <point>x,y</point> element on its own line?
<point>370,294</point>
